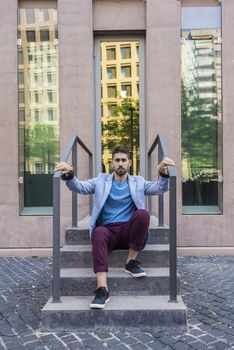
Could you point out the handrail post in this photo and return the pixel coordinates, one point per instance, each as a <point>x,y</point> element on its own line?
<point>90,175</point>
<point>56,240</point>
<point>149,177</point>
<point>160,197</point>
<point>172,238</point>
<point>74,195</point>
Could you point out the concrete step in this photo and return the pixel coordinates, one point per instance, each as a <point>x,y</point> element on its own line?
<point>154,255</point>
<point>83,281</point>
<point>120,313</point>
<point>74,236</point>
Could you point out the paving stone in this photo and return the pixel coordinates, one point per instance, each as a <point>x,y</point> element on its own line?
<point>74,346</point>
<point>157,345</point>
<point>219,345</point>
<point>94,344</point>
<point>180,346</point>
<point>198,345</point>
<point>112,342</point>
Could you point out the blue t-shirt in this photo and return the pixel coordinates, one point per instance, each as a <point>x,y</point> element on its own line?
<point>119,206</point>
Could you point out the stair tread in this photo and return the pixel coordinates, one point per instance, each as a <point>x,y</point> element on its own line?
<point>113,272</point>
<point>85,222</point>
<point>116,303</point>
<point>88,247</point>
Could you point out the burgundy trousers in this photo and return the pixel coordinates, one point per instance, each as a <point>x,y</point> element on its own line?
<point>119,235</point>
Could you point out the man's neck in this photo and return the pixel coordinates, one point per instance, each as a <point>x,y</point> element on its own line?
<point>120,178</point>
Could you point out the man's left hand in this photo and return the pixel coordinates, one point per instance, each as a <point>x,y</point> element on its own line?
<point>162,167</point>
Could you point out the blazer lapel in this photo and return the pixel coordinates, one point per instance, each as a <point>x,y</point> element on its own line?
<point>132,186</point>
<point>107,188</point>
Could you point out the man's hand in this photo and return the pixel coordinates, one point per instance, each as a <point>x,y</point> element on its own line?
<point>162,167</point>
<point>64,167</point>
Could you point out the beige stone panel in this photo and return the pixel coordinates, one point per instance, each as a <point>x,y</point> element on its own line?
<point>76,81</point>
<point>16,231</point>
<point>119,15</point>
<point>217,230</point>
<point>163,78</point>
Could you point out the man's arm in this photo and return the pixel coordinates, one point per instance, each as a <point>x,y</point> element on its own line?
<point>160,186</point>
<point>75,185</point>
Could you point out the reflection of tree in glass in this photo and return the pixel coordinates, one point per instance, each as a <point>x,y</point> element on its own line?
<point>43,145</point>
<point>199,132</point>
<point>123,127</point>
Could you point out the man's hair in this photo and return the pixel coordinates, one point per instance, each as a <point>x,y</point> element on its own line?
<point>120,149</point>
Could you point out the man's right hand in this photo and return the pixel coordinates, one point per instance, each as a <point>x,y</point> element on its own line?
<point>64,167</point>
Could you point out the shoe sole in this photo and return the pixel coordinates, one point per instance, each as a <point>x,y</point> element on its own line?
<point>99,306</point>
<point>136,275</point>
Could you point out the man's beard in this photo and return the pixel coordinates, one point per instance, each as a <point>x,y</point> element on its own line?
<point>121,171</point>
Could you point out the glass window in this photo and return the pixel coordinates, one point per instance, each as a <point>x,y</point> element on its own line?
<point>38,146</point>
<point>45,35</point>
<point>201,110</point>
<point>46,15</point>
<point>50,115</point>
<point>111,72</point>
<point>50,96</point>
<point>30,16</point>
<point>36,115</point>
<point>111,91</point>
<point>125,52</point>
<point>126,90</point>
<point>31,36</point>
<point>20,57</point>
<point>126,72</point>
<point>110,53</point>
<point>112,110</point>
<point>21,78</point>
<point>49,78</point>
<point>120,102</point>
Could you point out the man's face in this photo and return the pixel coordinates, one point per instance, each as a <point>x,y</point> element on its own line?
<point>121,163</point>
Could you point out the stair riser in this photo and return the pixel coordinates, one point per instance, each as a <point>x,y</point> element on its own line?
<point>116,258</point>
<point>113,320</point>
<point>117,286</point>
<point>79,236</point>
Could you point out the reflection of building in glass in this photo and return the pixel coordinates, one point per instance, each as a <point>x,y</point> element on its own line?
<point>201,62</point>
<point>201,79</point>
<point>119,81</point>
<point>38,90</point>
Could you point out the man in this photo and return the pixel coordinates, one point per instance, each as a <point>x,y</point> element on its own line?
<point>119,220</point>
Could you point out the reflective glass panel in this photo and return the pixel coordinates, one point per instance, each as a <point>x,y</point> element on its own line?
<point>120,100</point>
<point>38,106</point>
<point>201,110</point>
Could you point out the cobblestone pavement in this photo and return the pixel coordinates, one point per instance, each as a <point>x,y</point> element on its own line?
<point>207,287</point>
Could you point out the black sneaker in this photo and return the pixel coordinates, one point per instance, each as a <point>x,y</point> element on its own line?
<point>132,267</point>
<point>102,296</point>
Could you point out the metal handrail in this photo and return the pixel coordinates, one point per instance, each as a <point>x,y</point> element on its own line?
<point>163,152</point>
<point>71,148</point>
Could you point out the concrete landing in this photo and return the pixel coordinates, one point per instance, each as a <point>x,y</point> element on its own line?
<point>128,312</point>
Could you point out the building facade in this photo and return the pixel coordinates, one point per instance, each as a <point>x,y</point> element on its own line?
<point>119,71</point>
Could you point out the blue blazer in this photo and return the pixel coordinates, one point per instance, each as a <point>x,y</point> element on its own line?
<point>100,186</point>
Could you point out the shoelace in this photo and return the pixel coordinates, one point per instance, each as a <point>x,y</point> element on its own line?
<point>100,292</point>
<point>135,263</point>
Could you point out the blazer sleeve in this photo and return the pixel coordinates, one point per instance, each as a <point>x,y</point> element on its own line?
<point>81,187</point>
<point>155,188</point>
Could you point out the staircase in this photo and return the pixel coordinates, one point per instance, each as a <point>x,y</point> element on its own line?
<point>135,303</point>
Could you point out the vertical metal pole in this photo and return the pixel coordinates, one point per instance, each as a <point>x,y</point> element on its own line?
<point>160,197</point>
<point>90,175</point>
<point>149,177</point>
<point>74,195</point>
<point>56,240</point>
<point>172,238</point>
